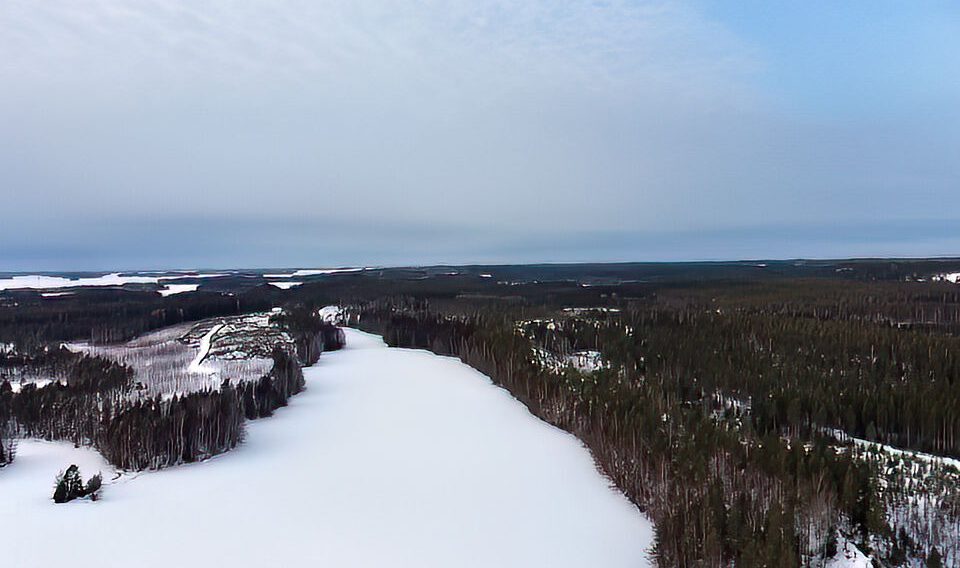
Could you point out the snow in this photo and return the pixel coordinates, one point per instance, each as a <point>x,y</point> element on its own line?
<point>46,282</point>
<point>953,277</point>
<point>331,314</point>
<point>171,289</point>
<point>391,457</point>
<point>848,556</point>
<point>285,285</point>
<point>588,311</point>
<point>197,366</point>
<point>878,448</point>
<point>18,386</point>
<point>39,282</point>
<point>314,272</point>
<point>585,361</point>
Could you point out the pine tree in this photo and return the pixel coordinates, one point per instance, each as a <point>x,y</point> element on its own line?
<point>69,485</point>
<point>934,560</point>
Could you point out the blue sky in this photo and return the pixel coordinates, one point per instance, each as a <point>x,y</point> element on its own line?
<point>222,134</point>
<point>844,59</point>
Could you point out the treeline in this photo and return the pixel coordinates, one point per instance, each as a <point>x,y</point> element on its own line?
<point>718,495</point>
<point>32,322</point>
<point>929,306</point>
<point>311,335</point>
<point>8,432</point>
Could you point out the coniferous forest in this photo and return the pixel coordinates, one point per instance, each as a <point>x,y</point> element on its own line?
<point>758,418</point>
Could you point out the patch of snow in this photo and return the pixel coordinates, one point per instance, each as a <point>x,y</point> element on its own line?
<point>585,361</point>
<point>486,276</point>
<point>285,285</point>
<point>171,289</point>
<point>848,556</point>
<point>56,294</point>
<point>952,277</point>
<point>331,314</point>
<point>876,447</point>
<point>197,366</point>
<point>582,311</point>
<point>18,386</point>
<point>391,457</point>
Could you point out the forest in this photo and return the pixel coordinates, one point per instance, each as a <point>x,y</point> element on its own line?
<point>760,416</point>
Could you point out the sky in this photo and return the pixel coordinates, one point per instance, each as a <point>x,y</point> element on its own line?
<point>182,134</point>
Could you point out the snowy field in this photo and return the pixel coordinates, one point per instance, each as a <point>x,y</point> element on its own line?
<point>391,457</point>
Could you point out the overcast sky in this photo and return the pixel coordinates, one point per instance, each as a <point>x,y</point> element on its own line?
<point>175,134</point>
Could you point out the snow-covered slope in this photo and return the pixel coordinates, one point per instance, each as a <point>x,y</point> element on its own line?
<point>391,458</point>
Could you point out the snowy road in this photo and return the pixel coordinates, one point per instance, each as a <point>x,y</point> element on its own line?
<point>391,457</point>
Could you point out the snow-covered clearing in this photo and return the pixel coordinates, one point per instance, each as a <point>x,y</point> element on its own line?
<point>285,285</point>
<point>848,556</point>
<point>391,457</point>
<point>171,289</point>
<point>198,355</point>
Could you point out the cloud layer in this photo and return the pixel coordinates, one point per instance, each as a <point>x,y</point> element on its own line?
<point>170,132</point>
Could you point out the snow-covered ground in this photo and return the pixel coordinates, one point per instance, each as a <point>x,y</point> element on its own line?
<point>953,277</point>
<point>586,361</point>
<point>390,458</point>
<point>583,361</point>
<point>285,285</point>
<point>331,314</point>
<point>848,556</point>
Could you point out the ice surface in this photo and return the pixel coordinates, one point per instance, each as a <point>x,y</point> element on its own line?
<point>390,458</point>
<point>314,272</point>
<point>38,282</point>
